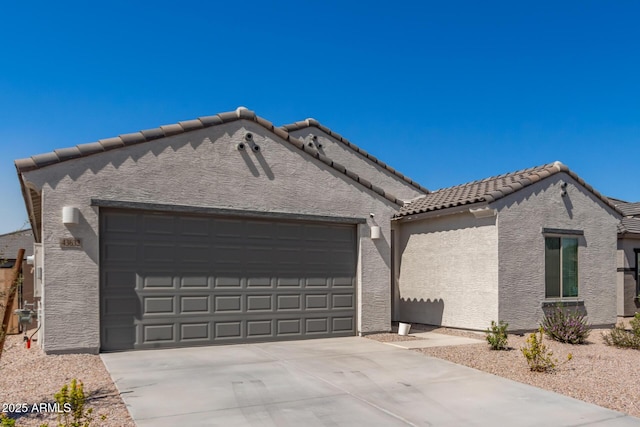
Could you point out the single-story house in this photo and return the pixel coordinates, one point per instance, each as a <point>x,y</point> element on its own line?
<point>10,244</point>
<point>228,229</point>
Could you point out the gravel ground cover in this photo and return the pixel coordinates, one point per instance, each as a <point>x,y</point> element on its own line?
<point>28,376</point>
<point>598,374</point>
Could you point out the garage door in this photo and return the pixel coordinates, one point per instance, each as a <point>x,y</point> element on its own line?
<point>174,280</point>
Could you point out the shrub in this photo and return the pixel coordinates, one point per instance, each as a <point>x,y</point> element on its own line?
<point>539,357</point>
<point>72,399</point>
<point>566,327</point>
<point>620,337</point>
<point>497,335</point>
<point>6,421</point>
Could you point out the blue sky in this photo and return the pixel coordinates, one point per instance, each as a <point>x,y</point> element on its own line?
<point>446,92</point>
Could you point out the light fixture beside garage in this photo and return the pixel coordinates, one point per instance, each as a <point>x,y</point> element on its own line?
<point>375,229</point>
<point>70,215</point>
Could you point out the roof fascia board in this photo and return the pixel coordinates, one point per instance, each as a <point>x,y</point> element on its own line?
<point>477,207</point>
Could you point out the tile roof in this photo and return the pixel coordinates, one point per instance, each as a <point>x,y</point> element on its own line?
<point>10,243</point>
<point>629,225</point>
<point>490,189</point>
<point>103,145</point>
<point>627,208</point>
<point>303,124</point>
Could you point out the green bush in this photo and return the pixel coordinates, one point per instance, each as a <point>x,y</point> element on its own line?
<point>497,335</point>
<point>620,337</point>
<point>539,357</point>
<point>569,327</point>
<point>72,400</point>
<point>6,421</point>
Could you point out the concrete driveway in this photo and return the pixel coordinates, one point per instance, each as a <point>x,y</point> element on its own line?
<point>331,382</point>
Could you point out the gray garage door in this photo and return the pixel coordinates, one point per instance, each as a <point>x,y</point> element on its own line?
<point>174,280</point>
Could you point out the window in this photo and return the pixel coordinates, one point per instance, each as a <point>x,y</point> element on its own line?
<point>561,267</point>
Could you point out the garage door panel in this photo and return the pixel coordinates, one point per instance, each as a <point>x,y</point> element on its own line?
<point>315,302</point>
<point>343,301</point>
<point>289,327</point>
<point>158,305</point>
<point>195,282</point>
<point>259,303</point>
<point>208,280</point>
<point>228,330</point>
<point>227,303</point>
<point>192,227</point>
<point>289,302</point>
<point>260,328</point>
<point>158,224</point>
<point>159,333</point>
<point>229,228</point>
<point>195,304</point>
<point>259,282</point>
<point>228,281</point>
<point>317,325</point>
<point>120,251</point>
<point>288,282</point>
<point>288,232</point>
<point>157,281</point>
<point>342,324</point>
<point>155,252</point>
<point>195,332</point>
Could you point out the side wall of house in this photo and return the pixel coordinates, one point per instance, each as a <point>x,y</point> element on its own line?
<point>628,305</point>
<point>359,164</point>
<point>521,219</point>
<point>199,168</point>
<point>448,272</point>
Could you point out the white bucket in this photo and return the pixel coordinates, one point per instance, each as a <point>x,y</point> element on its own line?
<point>403,328</point>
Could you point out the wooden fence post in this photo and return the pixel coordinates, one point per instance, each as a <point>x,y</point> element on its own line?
<point>15,280</point>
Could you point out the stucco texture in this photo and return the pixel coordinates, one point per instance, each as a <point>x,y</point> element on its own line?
<point>521,218</point>
<point>201,168</point>
<point>448,272</point>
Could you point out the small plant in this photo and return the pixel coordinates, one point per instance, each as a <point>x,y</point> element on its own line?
<point>72,399</point>
<point>497,335</point>
<point>571,328</point>
<point>539,357</point>
<point>6,421</point>
<point>620,337</point>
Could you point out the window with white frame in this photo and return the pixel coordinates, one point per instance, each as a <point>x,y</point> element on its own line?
<point>561,267</point>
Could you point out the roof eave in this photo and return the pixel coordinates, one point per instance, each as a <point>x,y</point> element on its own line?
<point>464,208</point>
<point>26,196</point>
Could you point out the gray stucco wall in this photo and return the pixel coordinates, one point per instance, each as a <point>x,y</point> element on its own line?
<point>521,218</point>
<point>355,162</point>
<point>199,168</point>
<point>448,272</point>
<point>627,286</point>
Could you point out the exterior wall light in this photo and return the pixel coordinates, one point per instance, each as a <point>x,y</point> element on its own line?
<point>70,215</point>
<point>375,232</point>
